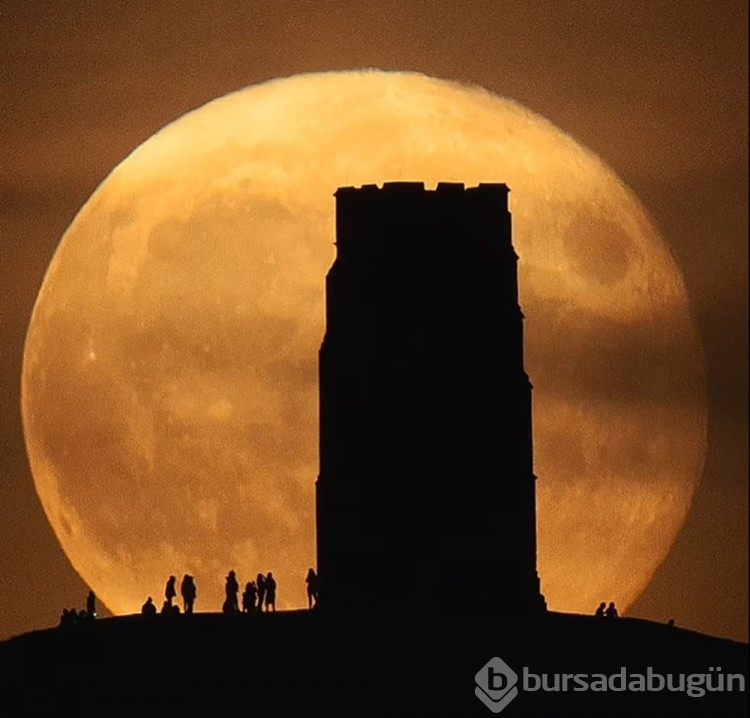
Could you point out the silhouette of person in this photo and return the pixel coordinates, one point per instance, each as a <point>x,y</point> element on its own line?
<point>261,585</point>
<point>248,597</point>
<point>611,611</point>
<point>65,618</point>
<point>312,588</point>
<point>270,592</point>
<point>169,591</point>
<point>670,622</point>
<point>148,608</point>
<point>188,592</point>
<point>91,605</point>
<point>231,588</point>
<point>600,611</point>
<point>166,609</point>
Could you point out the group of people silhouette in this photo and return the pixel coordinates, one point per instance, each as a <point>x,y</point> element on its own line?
<point>188,592</point>
<point>605,611</point>
<point>259,595</point>
<point>71,616</point>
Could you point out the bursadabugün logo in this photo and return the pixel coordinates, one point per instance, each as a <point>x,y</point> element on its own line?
<point>497,682</point>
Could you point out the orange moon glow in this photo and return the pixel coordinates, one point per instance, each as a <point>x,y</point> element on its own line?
<point>169,388</point>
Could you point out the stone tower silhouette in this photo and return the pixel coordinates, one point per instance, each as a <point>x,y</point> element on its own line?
<point>426,492</point>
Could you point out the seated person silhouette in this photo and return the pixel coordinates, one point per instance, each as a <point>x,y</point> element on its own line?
<point>600,610</point>
<point>611,611</point>
<point>148,608</point>
<point>167,609</point>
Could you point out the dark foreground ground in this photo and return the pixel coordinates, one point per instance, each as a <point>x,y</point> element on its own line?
<point>299,663</point>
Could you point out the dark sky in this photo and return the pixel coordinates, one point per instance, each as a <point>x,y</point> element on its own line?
<point>659,90</point>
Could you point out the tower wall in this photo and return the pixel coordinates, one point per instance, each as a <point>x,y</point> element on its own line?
<point>425,497</point>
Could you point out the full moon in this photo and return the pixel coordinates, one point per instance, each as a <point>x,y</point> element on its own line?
<point>169,387</point>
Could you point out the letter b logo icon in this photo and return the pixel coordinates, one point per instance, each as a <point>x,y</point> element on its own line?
<point>496,684</point>
<point>497,681</point>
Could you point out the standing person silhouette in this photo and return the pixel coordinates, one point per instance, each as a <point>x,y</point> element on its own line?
<point>270,593</point>
<point>91,605</point>
<point>231,588</point>
<point>312,587</point>
<point>170,592</point>
<point>261,584</point>
<point>248,597</point>
<point>188,592</point>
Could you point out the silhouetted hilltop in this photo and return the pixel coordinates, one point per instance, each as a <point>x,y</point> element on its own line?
<point>300,661</point>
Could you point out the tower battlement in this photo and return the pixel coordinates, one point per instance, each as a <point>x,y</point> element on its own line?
<point>413,218</point>
<point>496,190</point>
